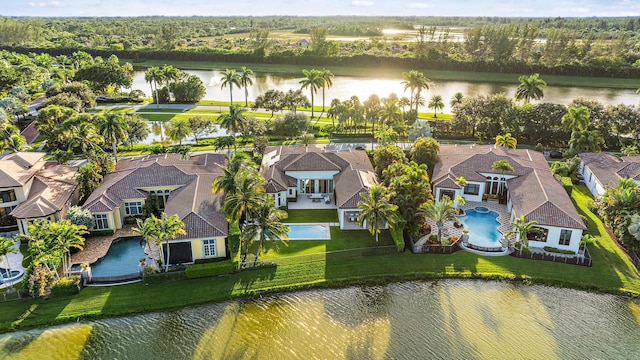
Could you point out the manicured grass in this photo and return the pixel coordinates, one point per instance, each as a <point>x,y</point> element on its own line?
<point>471,76</point>
<point>160,110</point>
<point>312,215</point>
<point>611,272</point>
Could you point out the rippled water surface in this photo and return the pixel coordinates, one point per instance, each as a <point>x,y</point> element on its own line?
<point>452,319</point>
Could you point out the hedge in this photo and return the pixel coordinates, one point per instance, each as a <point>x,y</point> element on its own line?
<point>95,233</point>
<point>66,286</point>
<point>211,269</point>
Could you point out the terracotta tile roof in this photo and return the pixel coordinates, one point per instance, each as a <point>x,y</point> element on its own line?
<point>447,181</point>
<point>534,191</point>
<point>355,172</point>
<point>603,166</point>
<point>50,191</point>
<point>192,200</point>
<point>17,169</point>
<point>630,170</point>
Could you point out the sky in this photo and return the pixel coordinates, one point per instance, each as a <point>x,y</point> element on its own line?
<point>507,8</point>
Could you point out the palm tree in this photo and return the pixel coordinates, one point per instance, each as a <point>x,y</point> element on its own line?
<point>590,141</point>
<point>113,128</point>
<point>153,76</point>
<point>522,228</point>
<point>416,82</point>
<point>327,82</point>
<point>376,209</point>
<point>314,79</point>
<point>230,77</point>
<point>441,211</point>
<point>456,99</point>
<point>67,236</point>
<point>502,166</point>
<point>85,137</point>
<point>178,128</point>
<point>233,120</point>
<point>506,141</point>
<point>161,230</point>
<point>436,104</point>
<point>530,88</point>
<point>246,79</point>
<point>576,118</point>
<point>14,143</point>
<point>266,224</point>
<point>226,183</point>
<point>249,194</point>
<point>390,113</point>
<point>6,248</point>
<point>169,74</point>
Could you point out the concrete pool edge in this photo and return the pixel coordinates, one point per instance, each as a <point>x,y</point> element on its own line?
<point>327,230</point>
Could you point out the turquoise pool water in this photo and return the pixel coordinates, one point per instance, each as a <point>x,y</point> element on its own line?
<point>7,276</point>
<point>122,258</point>
<point>483,227</point>
<point>309,232</point>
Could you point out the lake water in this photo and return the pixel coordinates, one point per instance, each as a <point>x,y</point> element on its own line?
<point>448,319</point>
<point>346,86</point>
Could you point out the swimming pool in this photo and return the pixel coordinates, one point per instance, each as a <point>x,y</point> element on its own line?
<point>309,232</point>
<point>122,258</point>
<point>6,276</point>
<point>483,227</point>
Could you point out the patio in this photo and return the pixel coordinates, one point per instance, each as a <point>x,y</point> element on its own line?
<point>313,201</point>
<point>97,247</point>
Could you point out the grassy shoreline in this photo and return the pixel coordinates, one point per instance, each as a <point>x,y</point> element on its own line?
<point>384,72</point>
<point>612,272</point>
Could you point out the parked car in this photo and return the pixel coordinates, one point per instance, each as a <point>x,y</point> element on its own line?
<point>555,154</point>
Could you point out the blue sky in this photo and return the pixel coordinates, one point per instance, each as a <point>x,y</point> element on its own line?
<point>526,8</point>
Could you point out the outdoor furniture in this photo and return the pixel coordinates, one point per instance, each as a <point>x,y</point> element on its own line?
<point>316,196</point>
<point>316,199</point>
<point>327,199</point>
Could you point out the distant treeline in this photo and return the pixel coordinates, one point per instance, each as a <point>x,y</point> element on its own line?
<point>584,70</point>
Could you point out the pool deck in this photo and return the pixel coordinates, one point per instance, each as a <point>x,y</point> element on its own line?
<point>451,231</point>
<point>14,261</point>
<point>97,247</point>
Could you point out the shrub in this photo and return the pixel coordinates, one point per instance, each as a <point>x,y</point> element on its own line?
<point>156,278</point>
<point>557,251</point>
<point>66,286</point>
<point>539,147</point>
<point>78,216</point>
<point>149,270</point>
<point>94,233</point>
<point>40,281</point>
<point>211,269</point>
<point>592,206</point>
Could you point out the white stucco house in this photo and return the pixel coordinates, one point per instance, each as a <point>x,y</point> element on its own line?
<point>338,178</point>
<point>601,170</point>
<point>530,189</point>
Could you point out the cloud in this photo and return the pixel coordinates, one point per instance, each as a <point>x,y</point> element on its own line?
<point>55,4</point>
<point>31,4</point>
<point>417,5</point>
<point>361,3</point>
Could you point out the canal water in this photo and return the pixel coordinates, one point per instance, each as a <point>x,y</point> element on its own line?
<point>344,87</point>
<point>448,319</point>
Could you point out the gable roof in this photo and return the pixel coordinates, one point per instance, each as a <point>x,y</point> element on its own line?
<point>354,175</point>
<point>192,199</point>
<point>17,169</point>
<point>50,192</point>
<point>534,191</point>
<point>604,167</point>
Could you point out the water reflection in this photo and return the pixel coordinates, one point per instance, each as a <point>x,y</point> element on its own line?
<point>415,320</point>
<point>346,86</point>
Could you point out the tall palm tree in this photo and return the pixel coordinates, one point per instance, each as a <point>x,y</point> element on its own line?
<point>576,118</point>
<point>177,129</point>
<point>154,75</point>
<point>436,104</point>
<point>456,99</point>
<point>266,224</point>
<point>169,74</point>
<point>114,129</point>
<point>230,77</point>
<point>522,228</point>
<point>587,140</point>
<point>161,230</point>
<point>441,211</point>
<point>6,248</point>
<point>416,82</point>
<point>226,183</point>
<point>530,88</point>
<point>14,144</point>
<point>67,236</point>
<point>85,136</point>
<point>502,166</point>
<point>327,82</point>
<point>246,79</point>
<point>390,113</point>
<point>314,79</point>
<point>248,196</point>
<point>376,210</point>
<point>233,120</point>
<point>506,141</point>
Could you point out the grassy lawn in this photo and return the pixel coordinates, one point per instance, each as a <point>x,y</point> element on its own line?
<point>611,272</point>
<point>160,110</point>
<point>312,215</point>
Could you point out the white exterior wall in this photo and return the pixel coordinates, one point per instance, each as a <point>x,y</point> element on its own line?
<point>478,198</point>
<point>280,198</point>
<point>315,175</point>
<point>553,239</point>
<point>341,220</point>
<point>591,181</point>
<point>458,192</point>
